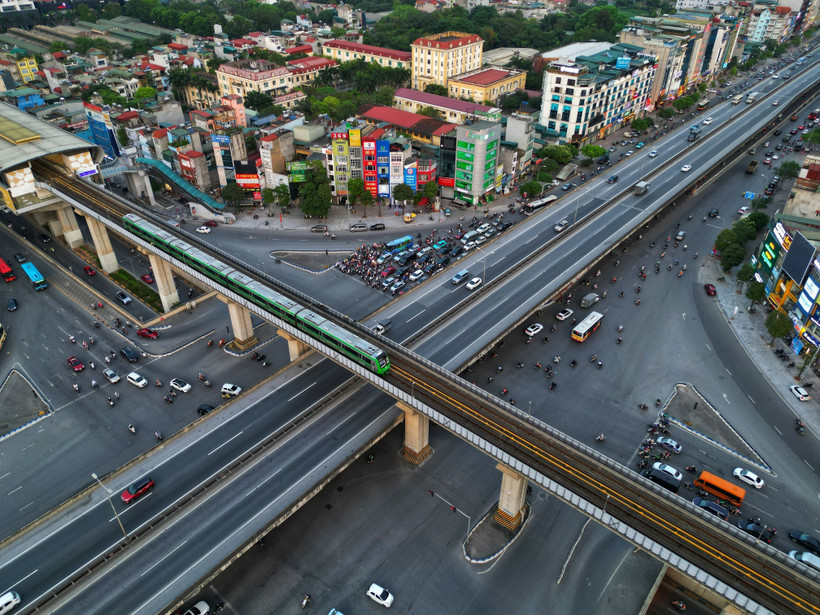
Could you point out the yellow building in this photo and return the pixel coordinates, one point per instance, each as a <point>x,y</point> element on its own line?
<point>488,85</point>
<point>438,57</point>
<point>346,51</point>
<point>27,68</point>
<point>262,76</point>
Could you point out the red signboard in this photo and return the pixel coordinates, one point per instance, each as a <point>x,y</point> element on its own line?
<point>447,181</point>
<point>338,135</point>
<point>257,196</point>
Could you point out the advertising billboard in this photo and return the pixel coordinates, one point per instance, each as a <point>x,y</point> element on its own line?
<point>297,171</point>
<point>410,176</point>
<point>355,137</point>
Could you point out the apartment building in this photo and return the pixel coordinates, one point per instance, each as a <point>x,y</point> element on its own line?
<point>346,51</point>
<point>478,166</point>
<point>438,57</point>
<point>488,85</point>
<point>263,76</point>
<point>449,109</point>
<point>769,21</point>
<point>593,95</point>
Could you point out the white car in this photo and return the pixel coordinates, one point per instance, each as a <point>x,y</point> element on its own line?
<point>474,283</point>
<point>708,121</point>
<point>417,274</point>
<point>629,153</point>
<point>653,153</point>
<point>483,228</point>
<point>564,314</point>
<point>686,168</point>
<point>534,329</point>
<point>750,478</point>
<point>744,210</point>
<point>561,226</point>
<point>800,393</point>
<point>775,103</point>
<point>137,380</point>
<point>180,385</point>
<point>200,608</point>
<point>667,469</point>
<point>231,390</point>
<point>379,594</point>
<point>111,375</point>
<point>775,76</point>
<point>204,230</point>
<point>469,246</point>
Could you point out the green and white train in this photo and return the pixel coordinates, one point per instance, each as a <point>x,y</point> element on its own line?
<point>293,313</point>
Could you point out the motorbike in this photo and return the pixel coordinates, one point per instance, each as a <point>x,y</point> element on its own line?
<point>110,402</point>
<point>158,436</point>
<point>132,429</point>
<point>305,601</point>
<point>600,438</point>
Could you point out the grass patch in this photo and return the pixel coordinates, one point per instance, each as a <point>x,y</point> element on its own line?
<point>145,293</point>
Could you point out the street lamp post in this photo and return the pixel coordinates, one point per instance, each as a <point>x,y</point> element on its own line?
<point>108,495</point>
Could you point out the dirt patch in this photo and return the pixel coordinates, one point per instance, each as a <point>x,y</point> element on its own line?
<point>312,262</point>
<point>19,403</point>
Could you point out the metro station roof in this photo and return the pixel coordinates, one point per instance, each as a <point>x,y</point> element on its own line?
<point>23,138</point>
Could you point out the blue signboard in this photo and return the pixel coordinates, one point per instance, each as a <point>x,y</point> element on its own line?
<point>382,148</point>
<point>749,195</point>
<point>622,63</point>
<point>410,177</point>
<point>87,173</point>
<point>220,139</point>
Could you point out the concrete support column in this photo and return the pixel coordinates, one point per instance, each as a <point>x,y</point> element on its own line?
<point>102,243</point>
<point>149,191</point>
<point>296,348</point>
<point>71,231</point>
<point>164,277</point>
<point>242,327</point>
<point>416,447</point>
<point>512,501</point>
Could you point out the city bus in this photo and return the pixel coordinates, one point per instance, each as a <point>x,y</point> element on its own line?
<point>702,105</point>
<point>587,326</point>
<point>723,489</point>
<point>537,204</point>
<point>37,280</point>
<point>6,272</point>
<point>397,245</point>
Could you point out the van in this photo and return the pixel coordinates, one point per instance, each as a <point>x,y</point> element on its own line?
<point>8,601</point>
<point>469,237</point>
<point>664,480</point>
<point>358,228</point>
<point>589,300</point>
<point>460,277</point>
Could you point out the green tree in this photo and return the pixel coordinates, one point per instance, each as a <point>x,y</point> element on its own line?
<point>530,189</point>
<point>355,190</point>
<point>745,273</point>
<point>233,194</point>
<point>435,88</point>
<point>640,124</point>
<point>813,137</point>
<point>430,190</point>
<point>56,46</point>
<point>403,193</point>
<point>759,219</point>
<point>122,135</point>
<point>732,256</point>
<point>562,154</point>
<point>755,293</point>
<point>315,193</point>
<point>282,192</point>
<point>145,92</point>
<point>725,239</point>
<point>790,168</point>
<point>593,151</point>
<point>744,230</point>
<point>586,162</point>
<point>366,201</point>
<point>257,100</point>
<point>268,197</point>
<point>665,113</point>
<point>430,112</point>
<point>778,324</point>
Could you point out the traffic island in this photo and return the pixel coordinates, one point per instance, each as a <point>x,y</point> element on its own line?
<point>20,404</point>
<point>491,537</point>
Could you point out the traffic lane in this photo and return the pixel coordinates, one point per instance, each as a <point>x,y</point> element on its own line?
<point>294,467</point>
<point>175,476</point>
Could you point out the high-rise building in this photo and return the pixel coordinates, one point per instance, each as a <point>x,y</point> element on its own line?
<point>438,57</point>
<point>477,162</point>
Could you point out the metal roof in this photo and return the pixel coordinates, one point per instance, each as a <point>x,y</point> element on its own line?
<point>23,138</point>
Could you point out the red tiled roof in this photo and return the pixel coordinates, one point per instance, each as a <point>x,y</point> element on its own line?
<point>58,55</point>
<point>485,77</point>
<point>370,49</point>
<point>271,137</point>
<point>191,153</point>
<point>177,46</point>
<point>309,64</point>
<point>151,66</point>
<point>159,134</point>
<point>299,49</point>
<point>449,43</point>
<point>782,10</point>
<point>127,115</point>
<point>404,119</point>
<point>435,100</point>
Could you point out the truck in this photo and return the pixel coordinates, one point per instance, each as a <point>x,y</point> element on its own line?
<point>641,187</point>
<point>751,168</point>
<point>751,97</point>
<point>589,300</point>
<point>737,99</point>
<point>694,133</point>
<point>382,327</point>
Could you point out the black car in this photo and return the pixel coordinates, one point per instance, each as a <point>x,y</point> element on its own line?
<point>12,305</point>
<point>603,159</point>
<point>443,261</point>
<point>377,227</point>
<point>612,179</point>
<point>712,507</point>
<point>204,409</point>
<point>758,531</point>
<point>129,354</point>
<point>19,257</point>
<point>505,226</point>
<point>457,250</point>
<point>713,213</point>
<point>429,269</point>
<point>807,541</point>
<point>45,238</point>
<point>778,132</point>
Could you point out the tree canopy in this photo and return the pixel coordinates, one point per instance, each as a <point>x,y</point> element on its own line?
<point>315,193</point>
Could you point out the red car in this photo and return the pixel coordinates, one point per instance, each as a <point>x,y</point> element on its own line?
<point>149,333</point>
<point>137,489</point>
<point>90,271</point>
<point>147,278</point>
<point>801,127</point>
<point>211,223</point>
<point>75,364</point>
<point>710,290</point>
<point>389,271</point>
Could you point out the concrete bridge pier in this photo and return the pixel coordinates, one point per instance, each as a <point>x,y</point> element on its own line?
<point>296,347</point>
<point>71,230</point>
<point>102,244</point>
<point>138,183</point>
<point>512,500</point>
<point>416,447</point>
<point>164,277</point>
<point>243,337</point>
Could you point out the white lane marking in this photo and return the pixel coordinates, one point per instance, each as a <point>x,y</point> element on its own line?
<point>226,442</point>
<point>162,559</point>
<point>302,391</point>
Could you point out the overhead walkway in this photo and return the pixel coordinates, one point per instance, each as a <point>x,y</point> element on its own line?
<point>182,184</point>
